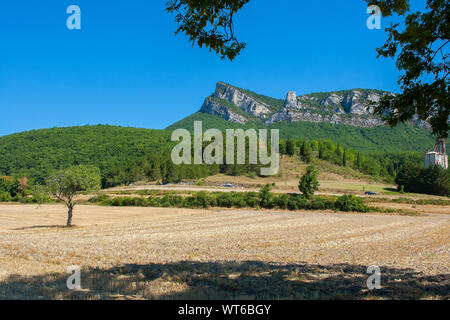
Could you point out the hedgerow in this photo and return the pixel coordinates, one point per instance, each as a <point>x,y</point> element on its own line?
<point>263,200</point>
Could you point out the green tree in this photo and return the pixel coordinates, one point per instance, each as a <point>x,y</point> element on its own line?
<point>209,24</point>
<point>306,152</point>
<point>434,180</point>
<point>266,197</point>
<point>65,185</point>
<point>308,183</point>
<point>420,47</point>
<point>321,152</point>
<point>344,158</point>
<point>337,157</point>
<point>290,148</point>
<point>282,147</point>
<point>358,161</point>
<point>338,151</point>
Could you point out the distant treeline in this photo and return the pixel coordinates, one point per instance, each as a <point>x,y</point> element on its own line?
<point>434,180</point>
<point>384,165</point>
<point>159,167</point>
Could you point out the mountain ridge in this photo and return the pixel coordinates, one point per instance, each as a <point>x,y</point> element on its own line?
<point>352,107</point>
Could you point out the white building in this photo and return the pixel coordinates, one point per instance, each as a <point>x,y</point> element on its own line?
<point>437,157</point>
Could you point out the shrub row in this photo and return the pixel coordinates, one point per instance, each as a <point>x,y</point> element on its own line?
<point>239,200</point>
<point>7,197</point>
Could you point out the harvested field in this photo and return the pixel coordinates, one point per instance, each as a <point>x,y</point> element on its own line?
<point>157,253</point>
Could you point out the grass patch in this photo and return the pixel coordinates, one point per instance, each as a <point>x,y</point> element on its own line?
<point>435,202</point>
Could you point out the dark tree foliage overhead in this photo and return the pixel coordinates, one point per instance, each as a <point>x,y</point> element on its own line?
<point>421,48</point>
<point>209,23</point>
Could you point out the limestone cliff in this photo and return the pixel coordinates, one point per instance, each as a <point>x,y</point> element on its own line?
<point>350,107</point>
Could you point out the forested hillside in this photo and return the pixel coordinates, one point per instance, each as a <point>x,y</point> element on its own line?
<point>37,153</point>
<point>404,137</point>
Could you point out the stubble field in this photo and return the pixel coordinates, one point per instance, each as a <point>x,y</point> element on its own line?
<point>158,253</point>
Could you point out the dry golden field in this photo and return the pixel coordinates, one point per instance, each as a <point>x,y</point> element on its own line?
<point>156,253</point>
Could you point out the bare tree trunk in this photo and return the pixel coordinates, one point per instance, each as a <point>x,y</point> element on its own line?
<point>69,216</point>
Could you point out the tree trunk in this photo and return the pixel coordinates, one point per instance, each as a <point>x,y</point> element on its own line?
<point>69,217</point>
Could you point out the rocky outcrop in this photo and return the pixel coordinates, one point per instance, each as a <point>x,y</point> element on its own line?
<point>352,102</point>
<point>212,107</point>
<point>292,102</point>
<point>332,100</point>
<point>241,100</point>
<point>290,115</point>
<point>352,107</point>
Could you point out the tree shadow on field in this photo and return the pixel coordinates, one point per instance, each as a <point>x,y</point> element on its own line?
<point>55,226</point>
<point>230,281</point>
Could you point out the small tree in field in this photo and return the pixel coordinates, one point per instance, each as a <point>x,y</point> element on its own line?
<point>65,184</point>
<point>265,196</point>
<point>309,183</point>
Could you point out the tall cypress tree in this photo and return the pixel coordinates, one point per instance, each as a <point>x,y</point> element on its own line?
<point>306,153</point>
<point>358,161</point>
<point>290,147</point>
<point>321,152</point>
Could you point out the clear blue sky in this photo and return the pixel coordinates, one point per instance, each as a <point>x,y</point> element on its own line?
<point>126,67</point>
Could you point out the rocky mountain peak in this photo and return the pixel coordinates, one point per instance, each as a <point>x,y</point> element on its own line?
<point>215,107</point>
<point>350,107</point>
<point>242,100</point>
<point>291,100</point>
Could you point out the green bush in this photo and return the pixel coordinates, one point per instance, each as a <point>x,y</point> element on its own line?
<point>350,203</point>
<point>5,197</point>
<point>252,174</point>
<point>201,200</point>
<point>40,199</point>
<point>282,201</point>
<point>266,197</point>
<point>293,204</point>
<point>99,198</point>
<point>321,204</point>
<point>251,199</point>
<point>225,199</point>
<point>18,197</point>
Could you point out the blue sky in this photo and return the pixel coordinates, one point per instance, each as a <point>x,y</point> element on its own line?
<point>126,67</point>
